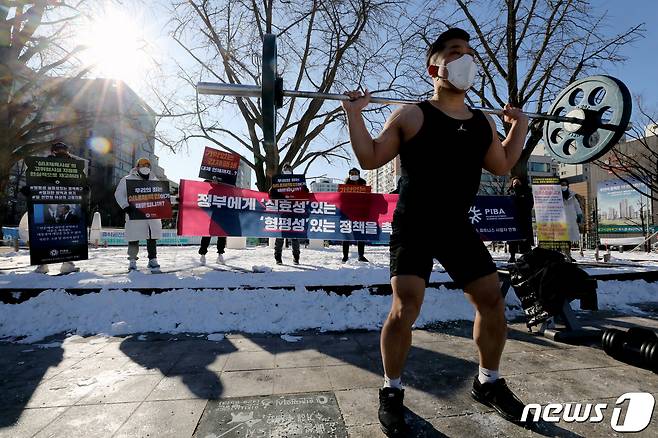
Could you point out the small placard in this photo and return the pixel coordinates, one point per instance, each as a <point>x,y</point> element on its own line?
<point>353,188</point>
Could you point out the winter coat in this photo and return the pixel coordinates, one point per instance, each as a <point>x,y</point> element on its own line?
<point>142,228</point>
<point>573,212</point>
<point>524,202</point>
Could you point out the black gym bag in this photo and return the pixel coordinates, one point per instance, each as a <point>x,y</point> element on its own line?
<point>544,280</point>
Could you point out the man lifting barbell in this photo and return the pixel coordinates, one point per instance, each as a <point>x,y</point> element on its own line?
<point>441,141</point>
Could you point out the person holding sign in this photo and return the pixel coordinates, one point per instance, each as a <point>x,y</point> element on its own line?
<point>138,229</point>
<point>573,211</point>
<point>278,244</point>
<point>354,178</point>
<point>63,213</point>
<point>523,200</point>
<point>441,141</point>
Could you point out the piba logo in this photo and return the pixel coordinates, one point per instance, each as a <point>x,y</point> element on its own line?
<point>638,412</point>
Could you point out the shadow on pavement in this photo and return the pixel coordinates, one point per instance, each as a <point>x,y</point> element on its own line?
<point>189,359</point>
<point>22,369</point>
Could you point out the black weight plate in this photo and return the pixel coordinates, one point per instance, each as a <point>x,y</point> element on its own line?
<point>268,83</point>
<point>601,97</point>
<point>278,92</point>
<point>637,335</point>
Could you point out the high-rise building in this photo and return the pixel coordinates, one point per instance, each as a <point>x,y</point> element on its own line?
<point>385,178</point>
<point>623,208</point>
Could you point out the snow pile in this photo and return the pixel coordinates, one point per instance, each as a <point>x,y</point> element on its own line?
<point>212,311</point>
<point>205,304</point>
<point>250,311</point>
<point>621,295</point>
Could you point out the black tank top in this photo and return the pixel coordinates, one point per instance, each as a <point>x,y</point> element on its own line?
<point>442,165</point>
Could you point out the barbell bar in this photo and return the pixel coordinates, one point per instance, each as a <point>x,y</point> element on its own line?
<point>586,120</point>
<point>240,90</point>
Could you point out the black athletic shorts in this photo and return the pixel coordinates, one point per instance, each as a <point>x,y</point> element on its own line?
<point>455,244</point>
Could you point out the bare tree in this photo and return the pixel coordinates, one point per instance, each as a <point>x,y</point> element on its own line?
<point>636,161</point>
<point>530,50</point>
<point>493,185</point>
<point>32,52</point>
<point>324,46</point>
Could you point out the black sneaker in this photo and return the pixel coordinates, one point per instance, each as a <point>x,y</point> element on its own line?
<point>498,396</point>
<point>279,261</point>
<point>391,412</point>
<point>345,259</point>
<point>363,259</point>
<point>296,261</point>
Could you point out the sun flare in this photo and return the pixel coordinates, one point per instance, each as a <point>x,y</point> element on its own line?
<point>117,47</point>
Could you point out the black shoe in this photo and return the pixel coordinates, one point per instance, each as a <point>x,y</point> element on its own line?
<point>296,261</point>
<point>363,259</point>
<point>279,261</point>
<point>498,396</point>
<point>391,412</point>
<point>345,259</point>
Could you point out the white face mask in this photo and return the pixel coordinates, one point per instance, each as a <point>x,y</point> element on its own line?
<point>460,72</point>
<point>354,177</point>
<point>144,170</point>
<point>565,188</point>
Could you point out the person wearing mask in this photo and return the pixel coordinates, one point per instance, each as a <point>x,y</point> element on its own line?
<point>354,178</point>
<point>286,169</point>
<point>524,202</point>
<point>60,150</point>
<point>573,213</point>
<point>138,229</point>
<point>441,140</point>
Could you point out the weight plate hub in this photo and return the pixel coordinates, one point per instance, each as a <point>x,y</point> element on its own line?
<point>604,104</point>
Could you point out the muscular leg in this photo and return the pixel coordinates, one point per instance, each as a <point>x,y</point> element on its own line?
<point>408,294</point>
<point>490,327</point>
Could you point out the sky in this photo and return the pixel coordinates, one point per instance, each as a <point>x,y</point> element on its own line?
<point>639,72</point>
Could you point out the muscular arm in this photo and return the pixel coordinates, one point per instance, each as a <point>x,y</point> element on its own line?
<point>502,156</point>
<point>374,153</point>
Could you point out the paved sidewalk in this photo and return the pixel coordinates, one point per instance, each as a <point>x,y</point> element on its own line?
<point>161,385</point>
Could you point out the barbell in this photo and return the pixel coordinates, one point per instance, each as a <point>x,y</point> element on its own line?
<point>586,120</point>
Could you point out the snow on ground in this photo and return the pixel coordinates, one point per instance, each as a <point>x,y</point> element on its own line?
<point>215,310</point>
<point>107,267</point>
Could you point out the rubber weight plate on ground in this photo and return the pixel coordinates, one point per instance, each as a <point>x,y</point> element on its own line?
<point>268,79</point>
<point>604,104</point>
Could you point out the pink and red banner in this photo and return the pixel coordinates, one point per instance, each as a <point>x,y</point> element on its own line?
<point>209,209</point>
